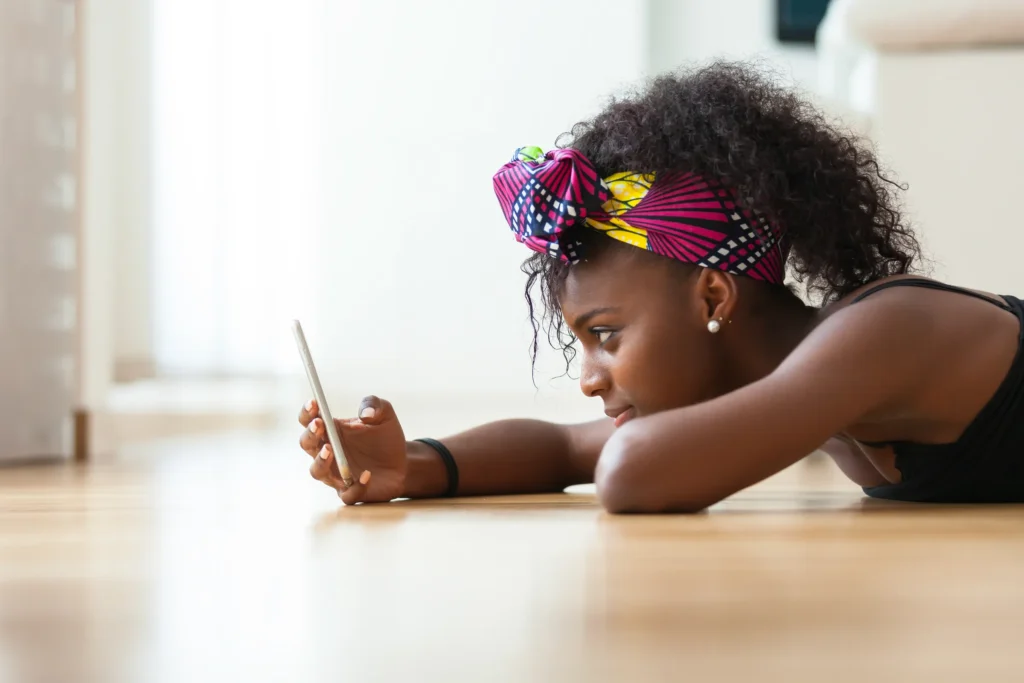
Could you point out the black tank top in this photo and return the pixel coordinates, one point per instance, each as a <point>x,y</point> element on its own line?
<point>986,464</point>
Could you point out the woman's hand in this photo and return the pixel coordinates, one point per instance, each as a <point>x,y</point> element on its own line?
<point>375,448</point>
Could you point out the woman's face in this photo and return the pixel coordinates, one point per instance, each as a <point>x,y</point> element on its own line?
<point>643,328</point>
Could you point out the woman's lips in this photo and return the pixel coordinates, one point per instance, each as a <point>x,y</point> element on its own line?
<point>624,417</point>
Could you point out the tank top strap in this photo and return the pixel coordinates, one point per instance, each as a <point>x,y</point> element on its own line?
<point>929,284</point>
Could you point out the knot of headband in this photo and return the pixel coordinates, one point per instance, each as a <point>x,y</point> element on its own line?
<point>682,216</point>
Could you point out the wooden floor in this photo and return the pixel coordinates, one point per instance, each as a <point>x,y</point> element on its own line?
<point>220,560</point>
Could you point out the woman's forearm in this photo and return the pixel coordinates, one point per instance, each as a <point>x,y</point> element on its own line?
<point>509,457</point>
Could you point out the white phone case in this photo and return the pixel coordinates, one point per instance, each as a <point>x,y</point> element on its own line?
<point>321,401</point>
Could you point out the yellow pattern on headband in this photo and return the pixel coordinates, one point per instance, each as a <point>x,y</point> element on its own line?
<point>627,189</point>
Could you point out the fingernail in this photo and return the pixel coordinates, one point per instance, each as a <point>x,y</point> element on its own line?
<point>325,452</point>
<point>309,406</point>
<point>364,478</point>
<point>367,413</point>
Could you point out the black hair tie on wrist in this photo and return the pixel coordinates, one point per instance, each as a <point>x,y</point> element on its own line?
<point>449,464</point>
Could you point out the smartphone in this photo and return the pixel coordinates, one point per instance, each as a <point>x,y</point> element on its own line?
<point>321,401</point>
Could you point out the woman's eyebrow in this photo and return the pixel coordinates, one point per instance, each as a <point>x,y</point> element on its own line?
<point>582,320</point>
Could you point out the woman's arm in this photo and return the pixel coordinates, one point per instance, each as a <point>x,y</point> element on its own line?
<point>862,360</point>
<point>504,457</point>
<point>509,457</point>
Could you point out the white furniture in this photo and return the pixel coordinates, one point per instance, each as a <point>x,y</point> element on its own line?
<point>939,86</point>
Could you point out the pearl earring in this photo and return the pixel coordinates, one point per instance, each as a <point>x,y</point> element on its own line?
<point>714,326</point>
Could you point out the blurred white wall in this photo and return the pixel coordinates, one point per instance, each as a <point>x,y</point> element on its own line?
<point>238,148</point>
<point>117,187</point>
<point>695,31</point>
<point>333,161</point>
<point>252,160</point>
<point>424,103</point>
<point>129,26</point>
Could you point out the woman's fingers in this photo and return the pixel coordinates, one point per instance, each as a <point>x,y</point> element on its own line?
<point>308,412</point>
<point>374,410</point>
<point>312,438</point>
<point>324,469</point>
<point>354,494</point>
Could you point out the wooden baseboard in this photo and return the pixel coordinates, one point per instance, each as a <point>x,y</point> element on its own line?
<point>80,438</point>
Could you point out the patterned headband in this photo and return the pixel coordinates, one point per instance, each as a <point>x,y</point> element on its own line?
<point>681,216</point>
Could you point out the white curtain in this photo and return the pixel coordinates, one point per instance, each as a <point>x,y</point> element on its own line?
<point>236,183</point>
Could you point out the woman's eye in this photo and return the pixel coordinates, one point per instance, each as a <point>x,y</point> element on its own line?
<point>602,335</point>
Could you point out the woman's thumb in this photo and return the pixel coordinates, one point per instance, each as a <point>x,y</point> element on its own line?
<point>373,410</point>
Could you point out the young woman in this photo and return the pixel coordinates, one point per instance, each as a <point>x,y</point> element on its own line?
<point>663,230</point>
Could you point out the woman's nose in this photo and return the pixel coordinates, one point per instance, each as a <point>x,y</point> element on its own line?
<point>593,378</point>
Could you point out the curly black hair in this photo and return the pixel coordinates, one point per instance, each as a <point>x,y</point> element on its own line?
<point>734,122</point>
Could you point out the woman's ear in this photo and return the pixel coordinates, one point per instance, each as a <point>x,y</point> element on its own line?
<point>717,294</point>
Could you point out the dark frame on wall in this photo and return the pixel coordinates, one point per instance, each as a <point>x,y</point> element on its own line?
<point>796,21</point>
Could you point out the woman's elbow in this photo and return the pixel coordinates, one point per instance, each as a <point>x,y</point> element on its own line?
<point>629,481</point>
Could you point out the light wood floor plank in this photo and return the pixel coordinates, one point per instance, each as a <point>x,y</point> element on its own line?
<point>219,559</point>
